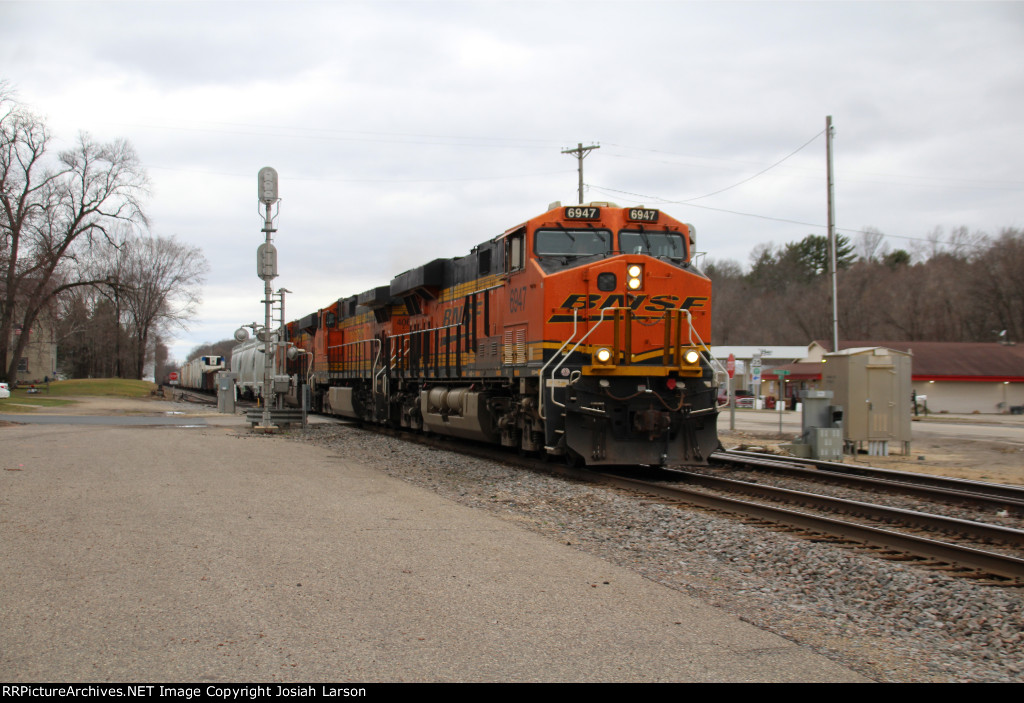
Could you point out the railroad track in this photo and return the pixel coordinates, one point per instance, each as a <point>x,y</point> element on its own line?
<point>937,488</point>
<point>961,559</point>
<point>191,395</point>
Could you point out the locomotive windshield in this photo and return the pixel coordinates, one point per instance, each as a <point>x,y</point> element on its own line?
<point>572,242</point>
<point>660,244</point>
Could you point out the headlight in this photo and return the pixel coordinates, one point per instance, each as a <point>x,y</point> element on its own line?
<point>692,356</point>
<point>603,355</point>
<point>634,276</point>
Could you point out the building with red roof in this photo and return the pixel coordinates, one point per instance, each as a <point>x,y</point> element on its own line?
<point>954,377</point>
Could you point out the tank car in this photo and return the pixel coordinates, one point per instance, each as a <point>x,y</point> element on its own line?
<point>582,333</point>
<point>247,364</point>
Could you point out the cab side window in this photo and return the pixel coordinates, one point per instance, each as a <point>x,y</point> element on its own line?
<point>515,251</point>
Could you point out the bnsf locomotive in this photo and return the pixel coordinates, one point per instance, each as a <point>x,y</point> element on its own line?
<point>582,333</point>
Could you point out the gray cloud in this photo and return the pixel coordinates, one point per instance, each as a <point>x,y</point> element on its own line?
<point>408,130</point>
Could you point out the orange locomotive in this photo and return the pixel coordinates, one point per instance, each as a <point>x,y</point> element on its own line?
<point>580,333</point>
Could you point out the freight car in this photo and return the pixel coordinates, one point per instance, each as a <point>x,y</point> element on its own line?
<point>200,373</point>
<point>247,365</point>
<point>581,333</point>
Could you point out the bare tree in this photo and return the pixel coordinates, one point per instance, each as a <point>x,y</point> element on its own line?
<point>871,244</point>
<point>162,284</point>
<point>114,262</point>
<point>50,213</point>
<point>160,358</point>
<point>998,288</point>
<point>222,348</point>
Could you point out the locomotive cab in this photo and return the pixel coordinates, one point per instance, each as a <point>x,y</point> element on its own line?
<point>631,381</point>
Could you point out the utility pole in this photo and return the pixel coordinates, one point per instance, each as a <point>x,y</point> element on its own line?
<point>832,233</point>
<point>581,153</point>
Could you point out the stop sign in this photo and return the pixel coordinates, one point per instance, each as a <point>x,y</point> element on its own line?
<point>173,376</point>
<point>730,365</point>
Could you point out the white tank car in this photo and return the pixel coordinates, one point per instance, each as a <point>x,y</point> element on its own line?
<point>247,362</point>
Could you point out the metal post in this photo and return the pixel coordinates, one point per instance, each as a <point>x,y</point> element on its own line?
<point>732,406</point>
<point>281,347</point>
<point>268,346</point>
<point>267,271</point>
<point>832,233</point>
<point>780,402</point>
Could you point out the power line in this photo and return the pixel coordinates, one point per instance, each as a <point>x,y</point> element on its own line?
<point>847,174</point>
<point>665,201</point>
<point>318,179</point>
<point>658,200</point>
<point>763,171</point>
<point>328,134</point>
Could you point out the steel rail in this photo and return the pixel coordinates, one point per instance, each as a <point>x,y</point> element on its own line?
<point>998,490</point>
<point>798,467</point>
<point>970,528</point>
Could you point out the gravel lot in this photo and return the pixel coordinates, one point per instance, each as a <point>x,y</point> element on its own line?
<point>888,620</point>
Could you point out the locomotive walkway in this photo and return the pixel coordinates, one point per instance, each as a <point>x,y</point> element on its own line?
<point>141,553</point>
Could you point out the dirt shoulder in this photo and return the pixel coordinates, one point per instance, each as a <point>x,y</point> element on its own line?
<point>103,405</point>
<point>978,460</point>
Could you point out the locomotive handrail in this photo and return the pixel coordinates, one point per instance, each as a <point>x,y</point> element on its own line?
<point>373,365</point>
<point>410,333</point>
<point>540,393</point>
<point>716,366</point>
<point>540,397</point>
<point>425,329</point>
<point>376,379</point>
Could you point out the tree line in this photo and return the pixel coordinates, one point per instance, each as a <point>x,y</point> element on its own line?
<point>957,287</point>
<point>76,252</point>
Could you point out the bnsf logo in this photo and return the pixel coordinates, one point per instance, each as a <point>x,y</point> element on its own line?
<point>636,303</point>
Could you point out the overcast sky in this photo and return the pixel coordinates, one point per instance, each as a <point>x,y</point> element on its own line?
<point>404,131</point>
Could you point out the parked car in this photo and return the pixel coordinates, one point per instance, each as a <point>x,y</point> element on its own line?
<point>744,399</point>
<point>5,392</point>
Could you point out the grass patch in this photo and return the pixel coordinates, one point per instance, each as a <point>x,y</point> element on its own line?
<point>60,392</point>
<point>110,387</point>
<point>20,402</point>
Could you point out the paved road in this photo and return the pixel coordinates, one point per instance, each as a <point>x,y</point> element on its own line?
<point>1007,429</point>
<point>112,420</point>
<point>211,554</point>
<point>1006,432</point>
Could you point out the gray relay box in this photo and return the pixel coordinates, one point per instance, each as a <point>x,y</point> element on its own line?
<point>826,443</point>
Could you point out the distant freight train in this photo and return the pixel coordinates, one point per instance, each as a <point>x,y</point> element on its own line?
<point>581,333</point>
<point>200,373</point>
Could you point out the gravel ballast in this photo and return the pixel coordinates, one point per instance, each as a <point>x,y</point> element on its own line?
<point>889,620</point>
